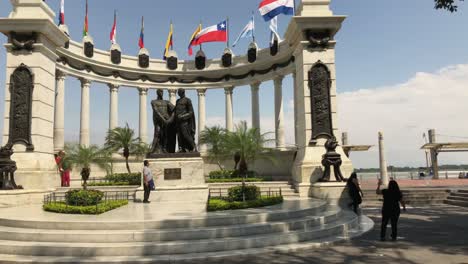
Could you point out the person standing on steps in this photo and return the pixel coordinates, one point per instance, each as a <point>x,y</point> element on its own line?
<point>355,192</point>
<point>391,208</point>
<point>148,183</point>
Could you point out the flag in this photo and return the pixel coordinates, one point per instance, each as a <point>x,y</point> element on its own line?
<point>216,33</point>
<point>274,30</point>
<point>114,30</point>
<point>141,41</point>
<point>248,31</point>
<point>85,28</point>
<point>169,43</point>
<point>62,13</point>
<point>192,39</point>
<point>272,8</point>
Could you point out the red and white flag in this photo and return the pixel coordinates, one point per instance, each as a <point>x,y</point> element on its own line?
<point>114,30</point>
<point>216,33</point>
<point>62,13</point>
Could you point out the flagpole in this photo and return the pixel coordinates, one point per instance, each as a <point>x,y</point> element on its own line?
<point>201,27</point>
<point>294,6</point>
<point>172,35</point>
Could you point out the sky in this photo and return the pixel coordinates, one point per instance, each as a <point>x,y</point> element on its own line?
<point>402,68</point>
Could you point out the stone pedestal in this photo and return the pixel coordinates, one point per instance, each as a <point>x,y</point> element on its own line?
<point>178,179</point>
<point>333,192</point>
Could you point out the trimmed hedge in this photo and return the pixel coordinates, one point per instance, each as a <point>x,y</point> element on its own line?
<point>236,180</point>
<point>252,192</point>
<point>100,208</point>
<point>83,197</point>
<point>98,184</point>
<point>227,174</point>
<point>129,178</point>
<point>216,204</point>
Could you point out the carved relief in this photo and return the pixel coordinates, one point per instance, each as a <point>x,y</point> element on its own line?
<point>226,59</point>
<point>274,48</point>
<point>318,39</point>
<point>252,55</point>
<point>143,60</point>
<point>21,89</point>
<point>116,56</point>
<point>200,60</point>
<point>172,63</point>
<point>23,41</point>
<point>89,49</point>
<point>319,86</point>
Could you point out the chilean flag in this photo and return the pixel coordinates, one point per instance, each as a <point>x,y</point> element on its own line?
<point>272,8</point>
<point>216,33</point>
<point>62,13</point>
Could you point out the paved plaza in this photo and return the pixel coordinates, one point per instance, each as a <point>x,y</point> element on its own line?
<point>435,234</point>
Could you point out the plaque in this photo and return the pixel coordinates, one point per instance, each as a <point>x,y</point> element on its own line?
<point>172,174</point>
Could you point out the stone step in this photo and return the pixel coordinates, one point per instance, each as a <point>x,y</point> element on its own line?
<point>457,198</point>
<point>463,191</point>
<point>32,248</point>
<point>154,235</point>
<point>459,194</point>
<point>217,219</point>
<point>365,225</point>
<point>456,203</point>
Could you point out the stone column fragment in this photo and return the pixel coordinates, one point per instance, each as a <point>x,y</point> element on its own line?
<point>229,108</point>
<point>279,113</point>
<point>255,87</point>
<point>59,114</point>
<point>382,161</point>
<point>84,114</point>
<point>201,116</point>
<point>143,124</point>
<point>113,106</point>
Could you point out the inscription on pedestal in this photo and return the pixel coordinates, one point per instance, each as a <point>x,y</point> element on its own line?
<point>173,174</point>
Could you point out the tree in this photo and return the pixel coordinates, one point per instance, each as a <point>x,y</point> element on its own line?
<point>82,157</point>
<point>124,138</point>
<point>213,137</point>
<point>249,144</point>
<point>447,5</point>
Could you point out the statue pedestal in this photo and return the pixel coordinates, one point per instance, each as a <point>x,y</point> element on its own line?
<point>178,179</point>
<point>334,192</point>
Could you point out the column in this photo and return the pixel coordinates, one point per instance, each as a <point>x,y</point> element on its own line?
<point>434,154</point>
<point>173,96</point>
<point>201,116</point>
<point>114,106</point>
<point>382,161</point>
<point>59,114</point>
<point>229,111</point>
<point>84,114</point>
<point>254,87</point>
<point>279,114</point>
<point>143,129</point>
<point>295,99</point>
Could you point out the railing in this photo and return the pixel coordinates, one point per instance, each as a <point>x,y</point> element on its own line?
<point>223,193</point>
<point>108,196</point>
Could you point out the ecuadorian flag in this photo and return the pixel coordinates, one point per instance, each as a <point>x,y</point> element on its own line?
<point>169,43</point>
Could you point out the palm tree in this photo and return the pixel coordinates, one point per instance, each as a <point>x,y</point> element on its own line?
<point>124,138</point>
<point>213,137</point>
<point>249,145</point>
<point>82,157</point>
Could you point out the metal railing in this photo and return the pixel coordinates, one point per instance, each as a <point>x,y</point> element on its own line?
<point>223,193</point>
<point>108,196</point>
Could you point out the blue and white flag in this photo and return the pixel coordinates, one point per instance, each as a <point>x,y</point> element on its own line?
<point>274,30</point>
<point>248,31</point>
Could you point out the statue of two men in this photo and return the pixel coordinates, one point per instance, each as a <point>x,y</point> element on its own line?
<point>171,122</point>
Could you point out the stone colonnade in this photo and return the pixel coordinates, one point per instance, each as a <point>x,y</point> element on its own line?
<point>143,126</point>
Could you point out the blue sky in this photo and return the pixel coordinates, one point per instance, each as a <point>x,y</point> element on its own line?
<point>382,43</point>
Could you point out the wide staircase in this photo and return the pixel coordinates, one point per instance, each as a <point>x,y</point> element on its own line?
<point>248,232</point>
<point>413,197</point>
<point>274,187</point>
<point>458,198</point>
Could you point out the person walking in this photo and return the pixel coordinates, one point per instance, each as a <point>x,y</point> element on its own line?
<point>58,160</point>
<point>148,183</point>
<point>391,208</point>
<point>355,192</point>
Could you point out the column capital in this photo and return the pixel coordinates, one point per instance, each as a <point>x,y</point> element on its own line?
<point>60,75</point>
<point>278,79</point>
<point>85,82</point>
<point>255,86</point>
<point>228,90</point>
<point>172,91</point>
<point>113,87</point>
<point>201,92</point>
<point>142,91</point>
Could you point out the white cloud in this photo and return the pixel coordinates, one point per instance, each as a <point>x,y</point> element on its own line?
<point>404,112</point>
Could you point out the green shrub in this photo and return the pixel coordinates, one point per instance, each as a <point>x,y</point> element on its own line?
<point>252,192</point>
<point>217,204</point>
<point>237,180</point>
<point>128,178</point>
<point>227,174</point>
<point>83,197</point>
<point>100,208</point>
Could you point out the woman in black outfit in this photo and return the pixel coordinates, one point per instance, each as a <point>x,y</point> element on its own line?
<point>391,207</point>
<point>355,192</point>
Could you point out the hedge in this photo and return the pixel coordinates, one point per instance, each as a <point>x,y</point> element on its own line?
<point>130,178</point>
<point>251,192</point>
<point>226,174</point>
<point>100,208</point>
<point>100,184</point>
<point>83,197</point>
<point>236,180</point>
<point>217,204</point>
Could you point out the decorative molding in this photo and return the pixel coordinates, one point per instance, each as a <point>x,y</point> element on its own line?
<point>200,60</point>
<point>143,60</point>
<point>201,92</point>
<point>23,41</point>
<point>318,39</point>
<point>88,49</point>
<point>116,56</point>
<point>228,90</point>
<point>172,63</point>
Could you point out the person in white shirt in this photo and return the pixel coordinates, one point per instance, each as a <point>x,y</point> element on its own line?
<point>147,181</point>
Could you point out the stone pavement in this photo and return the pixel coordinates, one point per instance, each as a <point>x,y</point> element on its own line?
<point>416,183</point>
<point>437,234</point>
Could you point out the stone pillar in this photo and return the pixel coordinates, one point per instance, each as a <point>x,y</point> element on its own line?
<point>229,110</point>
<point>113,106</point>
<point>254,87</point>
<point>84,114</point>
<point>382,161</point>
<point>344,138</point>
<point>173,96</point>
<point>279,113</point>
<point>295,99</point>
<point>59,114</point>
<point>143,127</point>
<point>201,117</point>
<point>434,154</point>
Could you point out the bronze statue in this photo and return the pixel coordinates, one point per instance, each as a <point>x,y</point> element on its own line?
<point>332,158</point>
<point>185,123</point>
<point>164,134</point>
